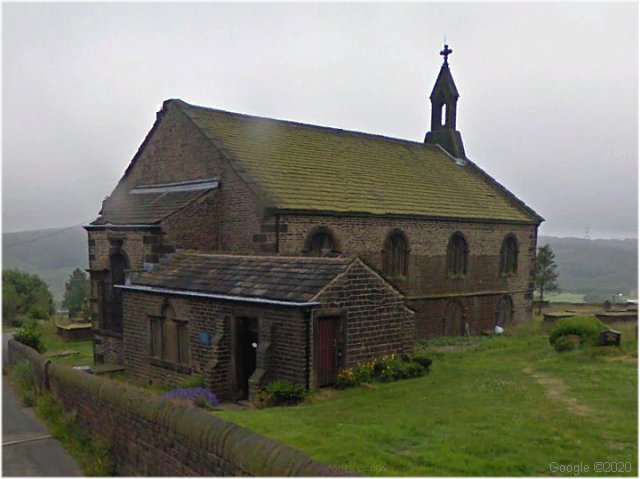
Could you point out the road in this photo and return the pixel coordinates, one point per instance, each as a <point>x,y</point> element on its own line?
<point>28,449</point>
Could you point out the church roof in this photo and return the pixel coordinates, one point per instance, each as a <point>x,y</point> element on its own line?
<point>150,204</point>
<point>267,278</point>
<point>298,167</point>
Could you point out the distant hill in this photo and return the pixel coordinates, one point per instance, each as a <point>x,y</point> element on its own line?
<point>592,267</point>
<point>53,257</point>
<point>598,268</point>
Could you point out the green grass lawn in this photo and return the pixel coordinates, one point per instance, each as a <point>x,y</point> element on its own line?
<point>498,406</point>
<point>54,344</point>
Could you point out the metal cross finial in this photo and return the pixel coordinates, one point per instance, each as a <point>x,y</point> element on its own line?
<point>445,53</point>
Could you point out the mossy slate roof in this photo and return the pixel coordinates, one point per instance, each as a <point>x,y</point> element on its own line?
<point>292,279</point>
<point>127,209</point>
<point>310,168</point>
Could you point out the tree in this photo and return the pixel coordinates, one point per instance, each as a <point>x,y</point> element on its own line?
<point>76,292</point>
<point>546,273</point>
<point>22,292</point>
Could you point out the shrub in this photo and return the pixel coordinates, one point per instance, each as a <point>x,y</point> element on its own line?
<point>587,327</point>
<point>39,312</point>
<point>284,393</point>
<point>346,379</point>
<point>16,322</point>
<point>29,335</point>
<point>422,359</point>
<point>199,396</point>
<point>25,379</point>
<point>564,343</point>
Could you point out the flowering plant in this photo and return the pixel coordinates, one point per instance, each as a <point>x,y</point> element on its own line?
<point>390,367</point>
<point>199,396</point>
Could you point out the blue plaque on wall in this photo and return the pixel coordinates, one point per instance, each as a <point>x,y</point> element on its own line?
<point>204,338</point>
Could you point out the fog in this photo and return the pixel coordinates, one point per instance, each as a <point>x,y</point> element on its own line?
<point>548,106</point>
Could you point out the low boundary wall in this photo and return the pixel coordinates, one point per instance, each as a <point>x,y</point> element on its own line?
<point>150,436</point>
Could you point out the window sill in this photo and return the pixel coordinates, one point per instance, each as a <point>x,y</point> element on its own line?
<point>109,332</point>
<point>457,277</point>
<point>162,363</point>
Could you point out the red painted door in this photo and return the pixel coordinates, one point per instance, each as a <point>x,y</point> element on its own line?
<point>327,347</point>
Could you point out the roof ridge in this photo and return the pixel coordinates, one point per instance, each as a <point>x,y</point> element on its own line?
<point>309,125</point>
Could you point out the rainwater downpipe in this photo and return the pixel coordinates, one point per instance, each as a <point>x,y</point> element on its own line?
<point>277,233</point>
<point>308,323</point>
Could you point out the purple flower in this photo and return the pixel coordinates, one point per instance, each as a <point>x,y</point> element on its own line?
<point>200,396</point>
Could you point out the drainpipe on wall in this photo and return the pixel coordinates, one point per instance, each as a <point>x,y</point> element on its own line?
<point>308,322</point>
<point>277,233</point>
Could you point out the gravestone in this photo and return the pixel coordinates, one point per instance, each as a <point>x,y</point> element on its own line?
<point>610,337</point>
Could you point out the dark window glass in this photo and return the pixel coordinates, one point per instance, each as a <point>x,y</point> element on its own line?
<point>509,256</point>
<point>457,254</point>
<point>395,255</point>
<point>321,244</point>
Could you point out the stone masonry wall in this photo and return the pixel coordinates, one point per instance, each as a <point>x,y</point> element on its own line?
<point>376,321</point>
<point>150,436</point>
<point>281,353</point>
<point>427,278</point>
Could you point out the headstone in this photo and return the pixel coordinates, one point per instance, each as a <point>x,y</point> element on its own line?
<point>610,337</point>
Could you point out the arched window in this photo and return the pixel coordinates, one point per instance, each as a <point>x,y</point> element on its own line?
<point>453,321</point>
<point>169,337</point>
<point>395,255</point>
<point>112,310</point>
<point>509,255</point>
<point>457,253</point>
<point>504,315</point>
<point>320,244</point>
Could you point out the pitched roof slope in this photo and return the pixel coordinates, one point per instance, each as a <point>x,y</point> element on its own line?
<point>144,209</point>
<point>150,204</point>
<point>306,167</point>
<point>292,279</point>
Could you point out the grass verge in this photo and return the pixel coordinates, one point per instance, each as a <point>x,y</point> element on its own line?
<point>92,453</point>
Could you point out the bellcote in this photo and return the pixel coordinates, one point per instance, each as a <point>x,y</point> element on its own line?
<point>444,99</point>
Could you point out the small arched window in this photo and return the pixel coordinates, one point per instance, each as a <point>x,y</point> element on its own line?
<point>504,315</point>
<point>453,322</point>
<point>457,256</point>
<point>509,255</point>
<point>396,254</point>
<point>320,244</point>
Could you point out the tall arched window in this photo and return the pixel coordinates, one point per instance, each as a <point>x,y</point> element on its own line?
<point>112,311</point>
<point>453,321</point>
<point>504,315</point>
<point>457,253</point>
<point>509,255</point>
<point>320,244</point>
<point>395,255</point>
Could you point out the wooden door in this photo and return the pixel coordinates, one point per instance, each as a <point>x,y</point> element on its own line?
<point>327,350</point>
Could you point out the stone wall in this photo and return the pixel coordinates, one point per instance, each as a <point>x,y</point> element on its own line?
<point>281,354</point>
<point>376,321</point>
<point>150,436</point>
<point>427,281</point>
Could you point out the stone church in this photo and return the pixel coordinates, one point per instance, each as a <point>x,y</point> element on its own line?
<point>245,249</point>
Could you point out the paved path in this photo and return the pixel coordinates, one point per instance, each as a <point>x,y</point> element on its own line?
<point>27,447</point>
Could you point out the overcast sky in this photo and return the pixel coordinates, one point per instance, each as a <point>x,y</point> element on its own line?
<point>548,105</point>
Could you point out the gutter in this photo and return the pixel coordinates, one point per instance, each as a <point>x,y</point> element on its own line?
<point>90,227</point>
<point>224,297</point>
